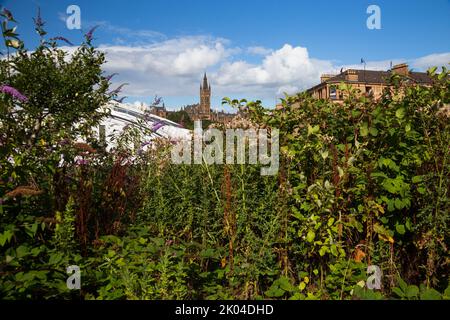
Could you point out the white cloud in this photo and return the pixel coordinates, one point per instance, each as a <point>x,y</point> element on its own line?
<point>168,68</point>
<point>418,64</point>
<point>287,89</point>
<point>432,60</point>
<point>286,69</point>
<point>175,57</point>
<point>174,67</point>
<point>259,50</point>
<point>130,34</point>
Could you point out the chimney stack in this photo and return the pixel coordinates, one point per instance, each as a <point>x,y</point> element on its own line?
<point>351,75</point>
<point>324,77</point>
<point>400,69</point>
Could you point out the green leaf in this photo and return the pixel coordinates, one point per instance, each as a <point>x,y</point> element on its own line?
<point>285,284</point>
<point>313,130</point>
<point>412,291</point>
<point>421,190</point>
<point>334,250</point>
<point>275,292</point>
<point>417,179</point>
<point>323,250</point>
<point>446,295</point>
<point>330,222</point>
<point>55,258</point>
<point>373,131</point>
<point>432,70</point>
<point>400,228</point>
<point>398,292</point>
<point>302,286</point>
<point>402,284</point>
<point>400,113</point>
<point>408,127</point>
<point>310,236</point>
<point>5,237</point>
<point>430,294</point>
<point>364,130</point>
<point>22,251</point>
<point>398,203</point>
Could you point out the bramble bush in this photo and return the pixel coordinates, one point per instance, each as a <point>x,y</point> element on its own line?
<point>360,183</point>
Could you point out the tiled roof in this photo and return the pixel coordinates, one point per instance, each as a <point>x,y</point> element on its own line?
<point>372,76</point>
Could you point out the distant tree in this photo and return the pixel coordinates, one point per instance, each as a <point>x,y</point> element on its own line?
<point>181,117</point>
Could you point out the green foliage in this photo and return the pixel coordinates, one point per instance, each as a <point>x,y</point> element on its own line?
<point>412,292</point>
<point>141,267</point>
<point>181,117</point>
<point>63,237</point>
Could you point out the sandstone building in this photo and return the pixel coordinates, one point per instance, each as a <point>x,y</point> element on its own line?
<point>369,82</point>
<point>159,111</point>
<point>199,111</point>
<point>202,111</point>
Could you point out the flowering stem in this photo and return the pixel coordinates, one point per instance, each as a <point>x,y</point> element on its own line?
<point>6,45</point>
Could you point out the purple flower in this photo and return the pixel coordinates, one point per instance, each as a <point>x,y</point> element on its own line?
<point>147,115</point>
<point>119,100</point>
<point>90,32</point>
<point>38,21</point>
<point>157,100</point>
<point>108,78</point>
<point>81,162</point>
<point>64,142</point>
<point>8,14</point>
<point>117,90</point>
<point>13,92</point>
<point>157,126</point>
<point>62,39</point>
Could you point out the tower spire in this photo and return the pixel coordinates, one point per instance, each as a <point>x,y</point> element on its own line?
<point>205,81</point>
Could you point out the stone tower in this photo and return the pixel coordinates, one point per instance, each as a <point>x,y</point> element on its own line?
<point>205,100</point>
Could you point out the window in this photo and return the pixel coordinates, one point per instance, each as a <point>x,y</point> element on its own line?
<point>332,93</point>
<point>369,91</point>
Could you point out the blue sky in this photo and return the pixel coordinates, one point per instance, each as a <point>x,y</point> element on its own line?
<point>249,48</point>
